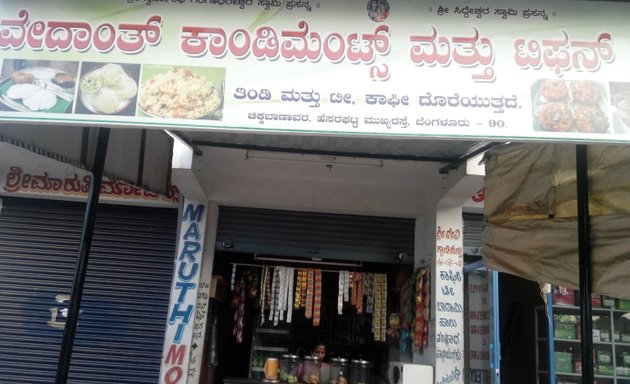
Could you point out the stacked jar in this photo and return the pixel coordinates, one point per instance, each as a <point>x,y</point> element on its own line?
<point>360,372</point>
<point>338,371</point>
<point>289,368</point>
<point>311,370</point>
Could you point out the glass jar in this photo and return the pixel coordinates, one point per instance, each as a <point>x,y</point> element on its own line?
<point>289,368</point>
<point>360,372</point>
<point>338,371</point>
<point>311,370</point>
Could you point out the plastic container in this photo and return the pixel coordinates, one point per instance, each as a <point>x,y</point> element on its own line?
<point>360,372</point>
<point>311,370</point>
<point>339,371</point>
<point>289,368</point>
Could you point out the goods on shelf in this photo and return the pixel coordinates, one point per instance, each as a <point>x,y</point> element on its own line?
<point>564,361</point>
<point>611,339</point>
<point>564,326</point>
<point>563,296</point>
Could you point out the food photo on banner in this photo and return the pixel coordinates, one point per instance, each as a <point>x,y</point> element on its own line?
<point>38,85</point>
<point>108,88</point>
<point>181,92</point>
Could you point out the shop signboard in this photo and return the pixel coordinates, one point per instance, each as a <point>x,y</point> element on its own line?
<point>178,340</point>
<point>27,174</point>
<point>449,297</point>
<point>552,71</point>
<point>478,290</point>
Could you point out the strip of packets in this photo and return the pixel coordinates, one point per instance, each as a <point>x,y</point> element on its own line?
<point>415,312</point>
<point>366,292</point>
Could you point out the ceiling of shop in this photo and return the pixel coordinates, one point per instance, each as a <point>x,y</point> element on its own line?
<point>450,152</point>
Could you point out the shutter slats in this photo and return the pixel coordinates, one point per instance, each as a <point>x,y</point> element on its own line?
<point>125,299</point>
<point>287,233</point>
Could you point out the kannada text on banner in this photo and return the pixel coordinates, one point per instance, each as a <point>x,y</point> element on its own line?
<point>447,69</point>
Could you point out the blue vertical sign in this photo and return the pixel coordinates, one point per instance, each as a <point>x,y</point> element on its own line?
<point>181,313</point>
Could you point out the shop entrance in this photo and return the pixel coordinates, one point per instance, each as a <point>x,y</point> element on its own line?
<point>372,254</point>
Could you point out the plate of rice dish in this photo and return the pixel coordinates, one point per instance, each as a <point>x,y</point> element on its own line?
<point>107,89</point>
<point>179,93</point>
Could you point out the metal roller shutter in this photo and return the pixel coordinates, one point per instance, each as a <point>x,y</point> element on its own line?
<point>473,225</point>
<point>305,234</point>
<point>125,301</point>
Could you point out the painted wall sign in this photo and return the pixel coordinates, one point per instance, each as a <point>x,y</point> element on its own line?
<point>541,71</point>
<point>178,341</point>
<point>479,327</point>
<point>39,176</point>
<point>19,181</point>
<point>449,344</point>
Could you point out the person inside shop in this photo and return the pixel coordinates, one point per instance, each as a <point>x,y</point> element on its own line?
<point>319,350</point>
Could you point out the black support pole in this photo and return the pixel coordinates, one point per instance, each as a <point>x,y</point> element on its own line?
<point>584,243</point>
<point>84,252</point>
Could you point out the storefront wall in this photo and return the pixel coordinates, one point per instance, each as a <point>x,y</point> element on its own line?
<point>396,189</point>
<point>481,73</point>
<point>224,177</point>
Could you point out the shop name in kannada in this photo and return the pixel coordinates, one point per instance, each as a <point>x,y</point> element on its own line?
<point>471,52</point>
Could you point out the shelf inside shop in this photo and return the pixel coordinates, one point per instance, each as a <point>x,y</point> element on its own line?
<point>270,349</point>
<point>271,330</point>
<point>594,309</point>
<point>573,374</point>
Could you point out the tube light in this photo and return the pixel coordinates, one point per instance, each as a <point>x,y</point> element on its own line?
<point>327,160</point>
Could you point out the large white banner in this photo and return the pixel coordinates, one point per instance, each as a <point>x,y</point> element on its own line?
<point>474,69</point>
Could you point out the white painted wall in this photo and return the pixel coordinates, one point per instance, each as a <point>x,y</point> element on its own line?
<point>397,189</point>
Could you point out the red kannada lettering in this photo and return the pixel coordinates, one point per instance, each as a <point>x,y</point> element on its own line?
<point>78,35</point>
<point>466,51</point>
<point>450,233</point>
<point>18,180</point>
<point>301,44</point>
<point>564,54</point>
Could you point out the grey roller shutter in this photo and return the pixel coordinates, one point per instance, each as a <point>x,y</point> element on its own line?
<point>319,235</point>
<point>125,301</point>
<point>473,225</point>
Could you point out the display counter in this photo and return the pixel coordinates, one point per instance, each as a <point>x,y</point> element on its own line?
<point>241,380</point>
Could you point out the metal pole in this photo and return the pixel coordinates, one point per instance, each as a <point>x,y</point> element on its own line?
<point>584,243</point>
<point>84,252</point>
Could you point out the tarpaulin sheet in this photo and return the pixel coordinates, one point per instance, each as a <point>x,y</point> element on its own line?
<point>531,214</point>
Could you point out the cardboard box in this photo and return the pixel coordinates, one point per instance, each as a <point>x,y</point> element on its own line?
<point>564,327</point>
<point>604,358</point>
<point>596,301</point>
<point>608,302</point>
<point>564,331</point>
<point>218,288</point>
<point>623,304</point>
<point>623,371</point>
<point>563,296</point>
<point>564,362</point>
<point>603,369</point>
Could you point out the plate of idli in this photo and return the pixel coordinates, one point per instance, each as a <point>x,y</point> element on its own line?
<point>107,89</point>
<point>36,89</point>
